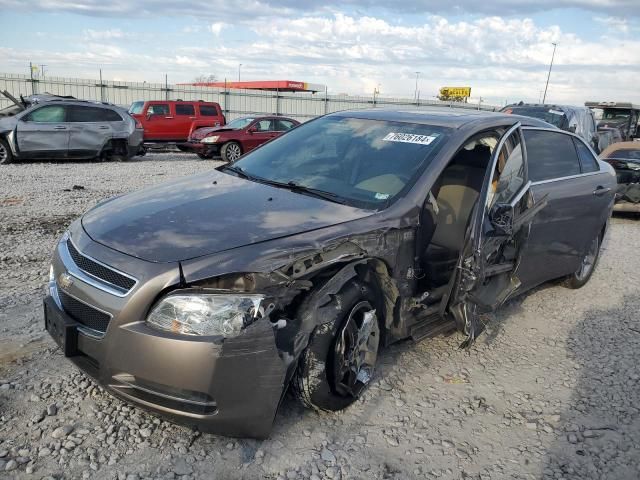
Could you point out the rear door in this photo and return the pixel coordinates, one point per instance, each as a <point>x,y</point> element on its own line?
<point>210,115</point>
<point>91,128</point>
<point>158,122</point>
<point>487,270</point>
<point>185,115</point>
<point>44,132</point>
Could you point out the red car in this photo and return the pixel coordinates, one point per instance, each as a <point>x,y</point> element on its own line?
<point>175,120</point>
<point>237,137</point>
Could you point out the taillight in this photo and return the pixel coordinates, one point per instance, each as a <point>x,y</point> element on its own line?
<point>138,124</point>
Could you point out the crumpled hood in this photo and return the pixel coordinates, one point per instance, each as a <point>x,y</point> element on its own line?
<point>200,133</point>
<point>205,214</point>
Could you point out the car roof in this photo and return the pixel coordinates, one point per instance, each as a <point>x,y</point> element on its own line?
<point>199,102</point>
<point>614,147</point>
<point>442,117</point>
<point>64,101</point>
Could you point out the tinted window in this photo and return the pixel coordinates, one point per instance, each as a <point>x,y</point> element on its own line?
<point>78,113</point>
<point>283,125</point>
<point>158,109</point>
<point>625,154</point>
<point>550,115</point>
<point>264,125</point>
<point>48,114</point>
<point>208,111</point>
<point>365,162</point>
<point>185,109</point>
<point>508,176</point>
<point>587,160</point>
<point>550,155</point>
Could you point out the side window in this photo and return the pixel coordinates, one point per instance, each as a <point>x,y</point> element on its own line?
<point>550,155</point>
<point>208,111</point>
<point>80,113</point>
<point>509,174</point>
<point>587,160</point>
<point>47,114</point>
<point>185,109</point>
<point>264,125</point>
<point>283,125</point>
<point>158,109</point>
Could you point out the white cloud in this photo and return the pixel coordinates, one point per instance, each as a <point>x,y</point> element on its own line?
<point>111,34</point>
<point>216,28</point>
<point>614,23</point>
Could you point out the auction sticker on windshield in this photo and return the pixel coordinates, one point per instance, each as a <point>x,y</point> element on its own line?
<point>410,138</point>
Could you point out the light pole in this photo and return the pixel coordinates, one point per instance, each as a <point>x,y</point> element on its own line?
<point>544,98</point>
<point>415,93</point>
<point>239,65</point>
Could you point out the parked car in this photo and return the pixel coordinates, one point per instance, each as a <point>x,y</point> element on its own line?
<point>237,137</point>
<point>624,157</point>
<point>579,120</point>
<point>622,117</point>
<point>173,121</point>
<point>205,298</point>
<point>59,128</point>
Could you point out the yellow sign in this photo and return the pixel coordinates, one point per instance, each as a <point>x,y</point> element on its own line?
<point>455,92</point>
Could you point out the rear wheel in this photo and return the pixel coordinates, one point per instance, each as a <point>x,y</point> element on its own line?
<point>6,155</point>
<point>339,362</point>
<point>587,266</point>
<point>231,151</point>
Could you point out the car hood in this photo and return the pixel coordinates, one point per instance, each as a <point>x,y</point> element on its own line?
<point>205,214</point>
<point>200,133</point>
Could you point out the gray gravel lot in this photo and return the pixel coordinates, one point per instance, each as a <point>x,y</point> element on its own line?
<point>552,390</point>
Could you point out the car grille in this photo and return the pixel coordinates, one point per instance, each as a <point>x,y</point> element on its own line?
<point>84,314</point>
<point>99,271</point>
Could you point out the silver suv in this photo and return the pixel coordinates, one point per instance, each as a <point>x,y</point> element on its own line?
<point>65,128</point>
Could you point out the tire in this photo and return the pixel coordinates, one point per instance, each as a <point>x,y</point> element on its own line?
<point>230,152</point>
<point>204,156</point>
<point>182,149</point>
<point>579,278</point>
<point>325,379</point>
<point>6,155</point>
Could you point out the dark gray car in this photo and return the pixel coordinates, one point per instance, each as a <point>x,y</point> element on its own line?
<point>62,128</point>
<point>206,298</point>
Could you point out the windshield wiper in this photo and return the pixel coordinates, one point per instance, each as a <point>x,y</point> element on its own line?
<point>296,187</point>
<point>238,171</point>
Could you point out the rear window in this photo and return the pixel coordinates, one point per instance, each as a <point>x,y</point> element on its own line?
<point>625,154</point>
<point>550,155</point>
<point>550,115</point>
<point>208,111</point>
<point>284,125</point>
<point>587,161</point>
<point>185,109</point>
<point>136,108</point>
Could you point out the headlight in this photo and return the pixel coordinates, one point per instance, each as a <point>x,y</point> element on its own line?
<point>206,314</point>
<point>212,139</point>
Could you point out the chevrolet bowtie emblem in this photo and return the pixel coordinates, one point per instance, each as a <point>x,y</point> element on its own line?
<point>65,280</point>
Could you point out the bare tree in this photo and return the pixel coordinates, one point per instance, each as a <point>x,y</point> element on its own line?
<point>205,78</point>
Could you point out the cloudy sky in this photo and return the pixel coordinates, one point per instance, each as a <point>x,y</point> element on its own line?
<point>501,48</point>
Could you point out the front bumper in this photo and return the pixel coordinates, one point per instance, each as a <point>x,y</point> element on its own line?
<point>202,148</point>
<point>231,387</point>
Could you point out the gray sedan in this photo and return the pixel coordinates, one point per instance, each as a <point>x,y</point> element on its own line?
<point>69,129</point>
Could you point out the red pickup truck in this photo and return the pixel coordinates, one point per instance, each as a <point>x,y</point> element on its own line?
<point>174,120</point>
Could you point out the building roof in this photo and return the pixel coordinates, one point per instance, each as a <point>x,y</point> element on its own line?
<point>274,85</point>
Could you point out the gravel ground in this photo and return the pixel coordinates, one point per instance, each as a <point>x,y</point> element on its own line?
<point>552,389</point>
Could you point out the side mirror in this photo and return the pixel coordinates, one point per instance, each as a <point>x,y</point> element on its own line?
<point>149,116</point>
<point>252,129</point>
<point>501,218</point>
<point>572,128</point>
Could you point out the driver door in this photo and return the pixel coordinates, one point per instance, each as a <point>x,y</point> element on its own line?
<point>487,270</point>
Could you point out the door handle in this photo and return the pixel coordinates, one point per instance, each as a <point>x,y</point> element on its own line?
<point>169,118</point>
<point>601,191</point>
<point>103,127</point>
<point>60,127</point>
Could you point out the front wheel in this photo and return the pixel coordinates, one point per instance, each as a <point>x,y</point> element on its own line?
<point>338,364</point>
<point>6,155</point>
<point>588,264</point>
<point>231,151</point>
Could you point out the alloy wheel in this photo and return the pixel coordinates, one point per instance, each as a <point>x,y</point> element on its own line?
<point>233,151</point>
<point>3,153</point>
<point>356,350</point>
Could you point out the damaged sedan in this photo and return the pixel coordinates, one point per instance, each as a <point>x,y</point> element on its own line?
<point>207,298</point>
<point>624,157</point>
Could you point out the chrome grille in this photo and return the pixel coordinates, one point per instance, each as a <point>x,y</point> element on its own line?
<point>98,270</point>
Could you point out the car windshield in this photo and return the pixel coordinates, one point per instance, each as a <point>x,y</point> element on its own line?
<point>365,163</point>
<point>550,115</point>
<point>239,123</point>
<point>615,114</point>
<point>136,107</point>
<point>625,154</point>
